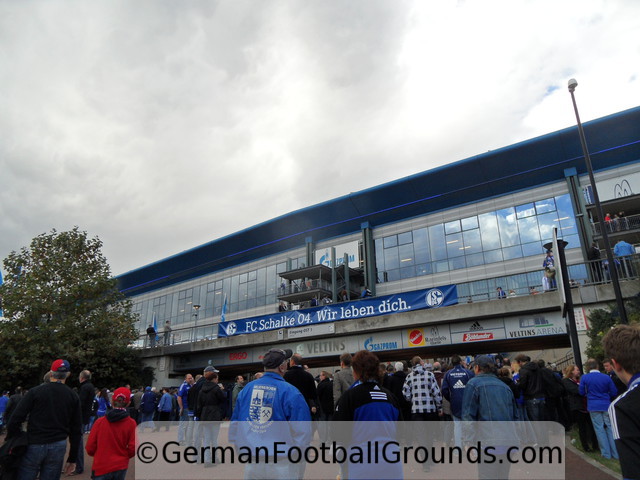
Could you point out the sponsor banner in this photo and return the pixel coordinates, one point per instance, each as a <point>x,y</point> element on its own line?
<point>323,256</point>
<point>437,335</point>
<point>368,307</point>
<point>535,325</point>
<point>379,342</point>
<point>415,337</point>
<point>478,331</point>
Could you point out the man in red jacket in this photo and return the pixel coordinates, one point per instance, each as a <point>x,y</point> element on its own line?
<point>112,441</point>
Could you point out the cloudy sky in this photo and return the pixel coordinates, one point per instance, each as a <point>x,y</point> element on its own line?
<point>161,125</point>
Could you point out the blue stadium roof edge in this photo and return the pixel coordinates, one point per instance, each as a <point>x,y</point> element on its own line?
<point>613,140</point>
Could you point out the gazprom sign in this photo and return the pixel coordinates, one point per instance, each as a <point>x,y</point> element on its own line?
<point>323,255</point>
<point>367,307</point>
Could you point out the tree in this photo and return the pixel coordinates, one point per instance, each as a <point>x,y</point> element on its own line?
<point>60,301</point>
<point>602,320</point>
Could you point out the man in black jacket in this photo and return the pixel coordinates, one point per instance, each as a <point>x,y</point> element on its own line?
<point>87,393</point>
<point>532,386</point>
<point>303,381</point>
<point>209,411</point>
<point>54,415</point>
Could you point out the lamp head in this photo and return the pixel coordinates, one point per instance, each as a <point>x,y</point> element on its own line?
<point>573,83</point>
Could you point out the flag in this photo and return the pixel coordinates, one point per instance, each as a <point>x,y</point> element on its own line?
<point>155,325</point>
<point>223,315</point>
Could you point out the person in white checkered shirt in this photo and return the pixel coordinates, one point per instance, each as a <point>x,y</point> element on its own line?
<point>421,389</point>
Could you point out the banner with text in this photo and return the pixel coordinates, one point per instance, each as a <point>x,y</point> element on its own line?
<point>368,307</point>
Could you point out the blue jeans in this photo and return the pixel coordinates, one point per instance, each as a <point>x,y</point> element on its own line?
<point>183,427</point>
<point>45,459</point>
<point>117,475</point>
<point>146,417</point>
<point>602,426</point>
<point>210,431</point>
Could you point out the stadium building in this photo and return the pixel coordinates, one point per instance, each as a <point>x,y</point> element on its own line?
<point>409,267</point>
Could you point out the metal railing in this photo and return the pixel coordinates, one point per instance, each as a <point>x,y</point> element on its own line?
<point>621,224</point>
<point>594,272</point>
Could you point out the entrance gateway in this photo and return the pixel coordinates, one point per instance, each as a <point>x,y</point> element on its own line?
<point>517,333</point>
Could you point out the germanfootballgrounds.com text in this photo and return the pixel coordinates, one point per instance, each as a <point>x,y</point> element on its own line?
<point>378,452</point>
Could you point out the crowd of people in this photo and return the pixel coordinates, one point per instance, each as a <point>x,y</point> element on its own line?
<point>519,390</point>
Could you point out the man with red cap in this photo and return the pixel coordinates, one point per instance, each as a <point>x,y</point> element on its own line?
<point>112,441</point>
<point>54,415</point>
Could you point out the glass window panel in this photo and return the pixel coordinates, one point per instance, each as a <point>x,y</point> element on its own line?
<point>253,275</point>
<point>294,264</point>
<point>281,267</point>
<point>531,249</point>
<point>391,260</point>
<point>566,216</point>
<point>407,272</point>
<point>273,281</point>
<point>261,282</point>
<point>404,238</point>
<point>251,289</point>
<point>455,247</point>
<point>475,259</point>
<point>392,275</point>
<point>529,231</point>
<point>390,241</point>
<point>510,253</point>
<point>233,295</point>
<point>489,231</point>
<point>452,227</point>
<point>219,285</point>
<point>406,255</point>
<point>379,255</point>
<point>493,256</point>
<point>242,291</point>
<point>423,269</point>
<point>546,223</point>
<point>573,241</point>
<point>437,242</point>
<point>421,245</point>
<point>526,210</point>
<point>472,243</point>
<point>469,223</point>
<point>545,206</point>
<point>457,263</point>
<point>251,303</point>
<point>508,227</point>
<point>439,267</point>
<point>243,278</point>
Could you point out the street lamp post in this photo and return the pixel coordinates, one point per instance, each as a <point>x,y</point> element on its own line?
<point>568,299</point>
<point>596,199</point>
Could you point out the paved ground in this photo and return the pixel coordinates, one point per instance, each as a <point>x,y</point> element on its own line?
<point>577,466</point>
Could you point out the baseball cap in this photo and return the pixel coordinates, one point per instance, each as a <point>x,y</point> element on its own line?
<point>276,357</point>
<point>122,392</point>
<point>211,368</point>
<point>485,361</point>
<point>60,366</point>
<point>147,389</point>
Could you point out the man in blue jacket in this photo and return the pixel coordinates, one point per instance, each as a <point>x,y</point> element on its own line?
<point>270,410</point>
<point>453,385</point>
<point>600,390</point>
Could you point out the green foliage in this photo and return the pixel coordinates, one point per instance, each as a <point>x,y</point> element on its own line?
<point>602,320</point>
<point>60,301</point>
